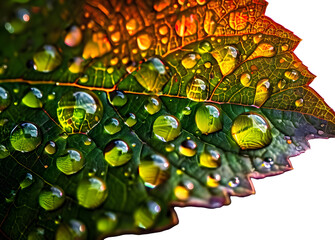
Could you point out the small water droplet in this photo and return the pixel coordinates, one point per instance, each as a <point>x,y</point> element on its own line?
<point>25,137</point>
<point>182,193</point>
<point>187,111</point>
<point>76,65</point>
<point>37,234</point>
<point>70,162</point>
<point>47,60</point>
<point>292,75</point>
<point>5,99</point>
<point>213,180</point>
<point>166,128</point>
<point>188,148</point>
<point>112,126</point>
<point>27,181</point>
<point>234,182</point>
<point>163,30</point>
<point>3,152</point>
<point>208,119</point>
<point>131,120</point>
<point>107,222</point>
<point>227,58</point>
<point>263,50</point>
<point>320,132</point>
<point>263,92</point>
<point>169,147</point>
<point>258,38</point>
<point>190,60</point>
<point>52,198</point>
<point>146,215</point>
<point>33,98</point>
<point>73,37</point>
<point>299,103</point>
<point>117,98</point>
<point>144,41</point>
<point>268,162</point>
<point>91,192</point>
<point>282,84</point>
<point>245,79</point>
<point>153,105</point>
<point>205,47</point>
<point>117,153</point>
<point>197,89</point>
<point>210,159</point>
<point>73,229</point>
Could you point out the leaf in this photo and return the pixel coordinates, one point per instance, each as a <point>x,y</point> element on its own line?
<point>113,113</point>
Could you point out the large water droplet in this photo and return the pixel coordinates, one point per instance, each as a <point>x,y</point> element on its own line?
<point>292,75</point>
<point>52,198</point>
<point>208,119</point>
<point>5,99</point>
<point>210,159</point>
<point>3,152</point>
<point>117,153</point>
<point>112,126</point>
<point>245,79</point>
<point>166,128</point>
<point>91,192</point>
<point>107,222</point>
<point>33,98</point>
<point>117,98</point>
<point>153,105</point>
<point>25,137</point>
<point>263,92</point>
<point>190,60</point>
<point>47,59</point>
<point>73,37</point>
<point>154,170</point>
<point>27,181</point>
<point>71,162</point>
<point>251,131</point>
<point>152,75</point>
<point>188,148</point>
<point>79,111</point>
<point>197,89</point>
<point>227,58</point>
<point>73,230</point>
<point>263,50</point>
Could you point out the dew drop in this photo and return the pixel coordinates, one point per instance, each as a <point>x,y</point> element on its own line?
<point>153,105</point>
<point>197,89</point>
<point>112,126</point>
<point>299,103</point>
<point>285,47</point>
<point>91,192</point>
<point>170,147</point>
<point>292,75</point>
<point>132,26</point>
<point>79,111</point>
<point>234,182</point>
<point>37,234</point>
<point>117,153</point>
<point>268,162</point>
<point>116,37</point>
<point>47,59</point>
<point>154,170</point>
<point>131,120</point>
<point>166,128</point>
<point>5,99</point>
<point>208,119</point>
<point>33,98</point>
<point>210,159</point>
<point>74,229</point>
<point>213,180</point>
<point>163,30</point>
<point>227,58</point>
<point>205,47</point>
<point>52,198</point>
<point>282,84</point>
<point>70,162</point>
<point>3,152</point>
<point>187,111</point>
<point>263,92</point>
<point>146,215</point>
<point>107,222</point>
<point>320,132</point>
<point>188,148</point>
<point>76,65</point>
<point>27,181</point>
<point>25,137</point>
<point>182,193</point>
<point>144,41</point>
<point>263,50</point>
<point>245,79</point>
<point>73,37</point>
<point>258,38</point>
<point>190,60</point>
<point>117,98</point>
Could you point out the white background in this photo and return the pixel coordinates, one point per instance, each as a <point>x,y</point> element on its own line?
<point>298,204</point>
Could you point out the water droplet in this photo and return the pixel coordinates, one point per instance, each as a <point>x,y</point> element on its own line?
<point>153,105</point>
<point>166,128</point>
<point>208,64</point>
<point>282,84</point>
<point>47,59</point>
<point>79,111</point>
<point>227,58</point>
<point>33,98</point>
<point>169,147</point>
<point>27,181</point>
<point>5,99</point>
<point>132,26</point>
<point>3,152</point>
<point>234,182</point>
<point>299,103</point>
<point>257,38</point>
<point>263,50</point>
<point>37,234</point>
<point>188,148</point>
<point>239,19</point>
<point>208,119</point>
<point>292,75</point>
<point>163,30</point>
<point>91,192</point>
<point>263,92</point>
<point>25,137</point>
<point>182,193</point>
<point>97,46</point>
<point>197,89</point>
<point>154,170</point>
<point>116,36</point>
<point>190,60</point>
<point>52,198</point>
<point>88,141</point>
<point>186,25</point>
<point>268,162</point>
<point>251,131</point>
<point>210,159</point>
<point>74,229</point>
<point>205,47</point>
<point>153,75</point>
<point>213,180</point>
<point>70,162</point>
<point>187,111</point>
<point>245,79</point>
<point>117,153</point>
<point>146,215</point>
<point>107,222</point>
<point>76,65</point>
<point>285,47</point>
<point>131,120</point>
<point>112,126</point>
<point>210,22</point>
<point>73,37</point>
<point>144,41</point>
<point>117,98</point>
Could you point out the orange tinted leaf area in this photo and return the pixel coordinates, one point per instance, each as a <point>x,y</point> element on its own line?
<point>113,112</point>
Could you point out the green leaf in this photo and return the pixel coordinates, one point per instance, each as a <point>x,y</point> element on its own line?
<point>107,121</point>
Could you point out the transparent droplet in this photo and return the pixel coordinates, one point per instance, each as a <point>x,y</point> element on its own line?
<point>188,148</point>
<point>213,180</point>
<point>285,47</point>
<point>37,234</point>
<point>107,222</point>
<point>163,30</point>
<point>25,137</point>
<point>154,170</point>
<point>245,79</point>
<point>52,198</point>
<point>27,181</point>
<point>268,162</point>
<point>153,75</point>
<point>112,126</point>
<point>182,193</point>
<point>153,105</point>
<point>208,119</point>
<point>299,103</point>
<point>292,75</point>
<point>146,215</point>
<point>76,65</point>
<point>117,98</point>
<point>5,99</point>
<point>3,152</point>
<point>282,84</point>
<point>187,111</point>
<point>251,131</point>
<point>47,59</point>
<point>71,162</point>
<point>257,38</point>
<point>73,37</point>
<point>263,92</point>
<point>234,182</point>
<point>91,192</point>
<point>205,47</point>
<point>210,159</point>
<point>197,89</point>
<point>166,128</point>
<point>33,98</point>
<point>131,120</point>
<point>117,153</point>
<point>263,50</point>
<point>227,58</point>
<point>132,26</point>
<point>190,60</point>
<point>144,41</point>
<point>72,230</point>
<point>79,111</point>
